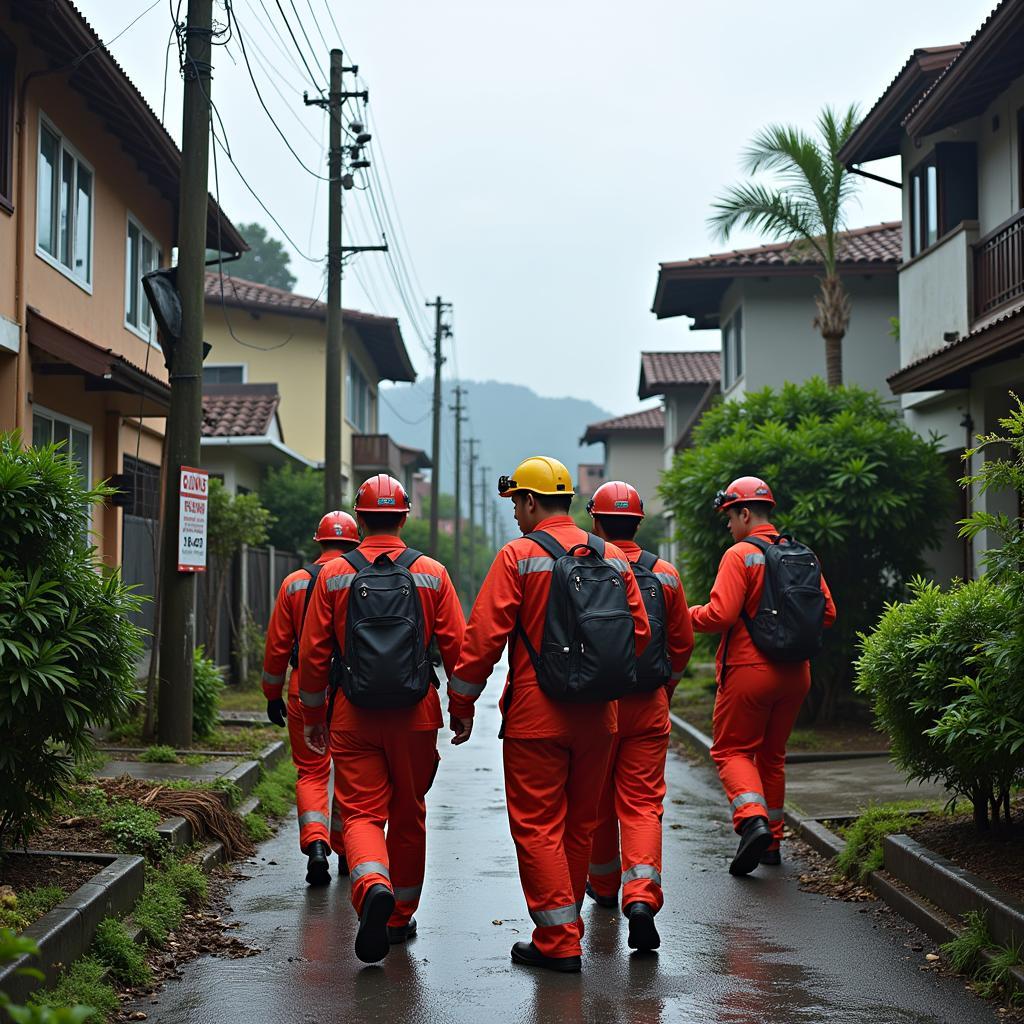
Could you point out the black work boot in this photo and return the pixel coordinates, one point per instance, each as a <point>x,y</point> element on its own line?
<point>372,942</point>
<point>342,865</point>
<point>643,934</point>
<point>755,838</point>
<point>772,858</point>
<point>601,901</point>
<point>402,932</point>
<point>527,953</point>
<point>317,866</point>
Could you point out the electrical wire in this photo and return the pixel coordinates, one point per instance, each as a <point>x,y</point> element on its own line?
<point>411,423</point>
<point>279,43</point>
<point>302,56</point>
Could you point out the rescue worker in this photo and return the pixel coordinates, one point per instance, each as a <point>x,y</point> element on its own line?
<point>336,534</point>
<point>758,699</point>
<point>384,759</point>
<point>631,805</point>
<point>555,753</point>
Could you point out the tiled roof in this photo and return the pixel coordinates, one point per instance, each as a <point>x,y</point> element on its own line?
<point>879,243</point>
<point>660,370</point>
<point>239,410</point>
<point>645,419</point>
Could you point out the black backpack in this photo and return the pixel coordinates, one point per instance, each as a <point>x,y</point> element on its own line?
<point>653,669</point>
<point>789,620</point>
<point>334,676</point>
<point>385,661</point>
<point>588,650</point>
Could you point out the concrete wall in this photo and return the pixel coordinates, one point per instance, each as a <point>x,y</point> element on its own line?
<point>234,466</point>
<point>780,342</point>
<point>638,461</point>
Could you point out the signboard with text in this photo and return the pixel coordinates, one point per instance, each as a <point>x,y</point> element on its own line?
<point>193,502</point>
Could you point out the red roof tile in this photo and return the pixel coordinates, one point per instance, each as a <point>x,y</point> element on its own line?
<point>661,370</point>
<point>239,410</point>
<point>645,419</point>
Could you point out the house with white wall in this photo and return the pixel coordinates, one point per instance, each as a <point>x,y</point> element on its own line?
<point>632,452</point>
<point>959,133</point>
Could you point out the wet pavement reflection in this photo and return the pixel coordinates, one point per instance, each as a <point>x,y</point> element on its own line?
<point>734,951</point>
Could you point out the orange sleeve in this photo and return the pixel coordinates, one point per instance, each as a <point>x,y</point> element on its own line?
<point>449,623</point>
<point>830,605</point>
<point>316,649</point>
<point>490,624</point>
<point>727,596</point>
<point>280,639</point>
<point>678,627</point>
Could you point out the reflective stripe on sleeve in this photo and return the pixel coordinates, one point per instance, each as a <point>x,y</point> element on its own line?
<point>408,892</point>
<point>754,558</point>
<point>748,798</point>
<point>368,867</point>
<point>340,582</point>
<point>606,869</point>
<point>313,817</point>
<point>618,563</point>
<point>775,814</point>
<point>313,698</point>
<point>296,585</point>
<point>676,676</point>
<point>426,581</point>
<point>642,871</point>
<point>464,689</point>
<point>272,680</point>
<point>555,916</point>
<point>668,579</point>
<point>540,563</point>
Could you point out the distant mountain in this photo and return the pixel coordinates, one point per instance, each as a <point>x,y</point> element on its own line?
<point>510,420</point>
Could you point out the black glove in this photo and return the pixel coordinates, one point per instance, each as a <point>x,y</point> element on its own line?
<point>276,712</point>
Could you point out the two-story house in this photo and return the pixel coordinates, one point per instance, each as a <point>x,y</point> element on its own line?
<point>955,117</point>
<point>89,184</point>
<point>762,300</point>
<point>632,452</point>
<point>263,335</point>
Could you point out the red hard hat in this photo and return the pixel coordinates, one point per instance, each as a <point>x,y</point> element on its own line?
<point>616,498</point>
<point>381,493</point>
<point>743,489</point>
<point>337,526</point>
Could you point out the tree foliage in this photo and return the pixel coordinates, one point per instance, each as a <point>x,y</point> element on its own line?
<point>267,260</point>
<point>852,482</point>
<point>295,499</point>
<point>68,649</point>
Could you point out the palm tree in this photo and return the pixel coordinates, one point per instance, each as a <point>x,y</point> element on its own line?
<point>806,208</point>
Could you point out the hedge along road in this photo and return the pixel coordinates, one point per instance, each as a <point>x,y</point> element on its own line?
<point>757,950</point>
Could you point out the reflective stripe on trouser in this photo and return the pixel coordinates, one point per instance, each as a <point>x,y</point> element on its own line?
<point>381,776</point>
<point>552,810</point>
<point>754,715</point>
<point>629,827</point>
<point>312,787</point>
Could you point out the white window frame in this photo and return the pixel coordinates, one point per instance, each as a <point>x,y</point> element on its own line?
<point>355,369</point>
<point>219,366</point>
<point>733,361</point>
<point>139,331</point>
<point>42,410</point>
<point>84,283</point>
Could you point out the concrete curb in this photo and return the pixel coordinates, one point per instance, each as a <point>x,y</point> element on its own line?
<point>690,735</point>
<point>66,932</point>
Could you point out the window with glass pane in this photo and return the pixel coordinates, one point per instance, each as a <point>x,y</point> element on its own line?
<point>932,191</point>
<point>64,208</point>
<point>223,374</point>
<point>737,340</point>
<point>142,255</point>
<point>48,429</point>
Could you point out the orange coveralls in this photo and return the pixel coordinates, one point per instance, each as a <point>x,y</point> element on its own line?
<point>314,770</point>
<point>758,700</point>
<point>384,760</point>
<point>555,754</point>
<point>631,804</point>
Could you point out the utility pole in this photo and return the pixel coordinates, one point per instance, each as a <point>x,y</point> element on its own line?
<point>459,420</point>
<point>494,525</point>
<point>441,331</point>
<point>485,472</point>
<point>184,419</point>
<point>471,575</point>
<point>339,181</point>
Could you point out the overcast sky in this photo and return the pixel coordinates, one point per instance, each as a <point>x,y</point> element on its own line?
<point>545,156</point>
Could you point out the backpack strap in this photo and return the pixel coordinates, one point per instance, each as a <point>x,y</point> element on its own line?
<point>763,546</point>
<point>314,570</point>
<point>647,560</point>
<point>357,560</point>
<point>547,542</point>
<point>596,545</point>
<point>408,557</point>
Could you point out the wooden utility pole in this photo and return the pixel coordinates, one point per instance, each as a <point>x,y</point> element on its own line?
<point>184,419</point>
<point>441,331</point>
<point>459,420</point>
<point>471,464</point>
<point>485,472</point>
<point>494,525</point>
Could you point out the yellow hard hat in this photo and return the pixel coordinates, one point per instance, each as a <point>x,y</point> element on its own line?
<point>540,474</point>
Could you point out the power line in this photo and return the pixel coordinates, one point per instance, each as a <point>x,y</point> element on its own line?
<point>302,56</point>
<point>279,42</point>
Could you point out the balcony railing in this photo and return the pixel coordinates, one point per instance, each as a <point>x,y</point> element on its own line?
<point>376,453</point>
<point>999,267</point>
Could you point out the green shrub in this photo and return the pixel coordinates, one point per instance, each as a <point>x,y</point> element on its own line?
<point>206,687</point>
<point>863,851</point>
<point>852,481</point>
<point>124,960</point>
<point>295,499</point>
<point>257,827</point>
<point>276,789</point>
<point>13,947</point>
<point>29,906</point>
<point>160,907</point>
<point>159,755</point>
<point>133,828</point>
<point>84,982</point>
<point>68,648</point>
<point>188,881</point>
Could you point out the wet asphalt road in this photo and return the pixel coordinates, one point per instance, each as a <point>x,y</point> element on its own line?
<point>753,951</point>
